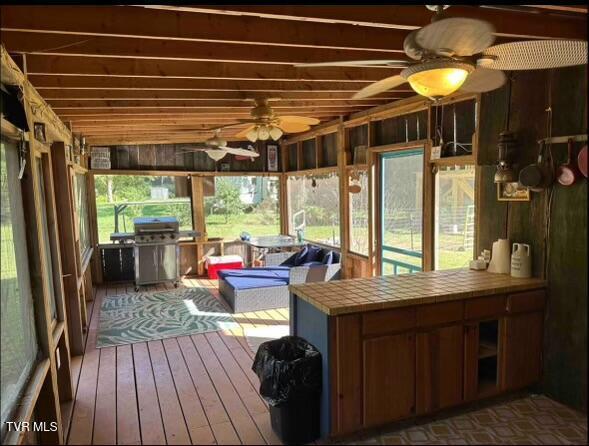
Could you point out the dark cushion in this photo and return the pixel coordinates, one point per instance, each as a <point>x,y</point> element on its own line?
<point>290,261</point>
<point>269,272</point>
<point>328,258</point>
<point>245,283</point>
<point>313,254</point>
<point>336,257</point>
<point>301,256</point>
<point>314,263</point>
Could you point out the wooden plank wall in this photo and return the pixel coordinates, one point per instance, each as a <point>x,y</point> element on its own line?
<point>557,233</point>
<point>172,157</point>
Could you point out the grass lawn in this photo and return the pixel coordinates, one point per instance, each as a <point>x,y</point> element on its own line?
<point>451,255</point>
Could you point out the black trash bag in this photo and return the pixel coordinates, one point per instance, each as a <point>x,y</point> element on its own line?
<point>289,368</point>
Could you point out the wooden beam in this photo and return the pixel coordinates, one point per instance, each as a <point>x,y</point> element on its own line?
<point>75,45</point>
<point>54,81</point>
<point>507,23</point>
<point>209,105</point>
<point>111,66</point>
<point>147,23</point>
<point>335,111</point>
<point>54,95</point>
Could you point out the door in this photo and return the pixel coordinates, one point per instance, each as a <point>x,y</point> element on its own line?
<point>439,368</point>
<point>401,211</point>
<point>146,264</point>
<point>389,378</point>
<point>522,350</point>
<point>167,266</point>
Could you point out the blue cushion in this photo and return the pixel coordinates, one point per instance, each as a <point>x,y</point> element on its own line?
<point>313,254</point>
<point>245,283</point>
<point>274,272</point>
<point>301,256</point>
<point>328,258</point>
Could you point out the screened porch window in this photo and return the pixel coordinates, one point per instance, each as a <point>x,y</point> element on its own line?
<point>313,206</point>
<point>121,198</point>
<point>19,344</point>
<point>454,217</point>
<point>243,204</point>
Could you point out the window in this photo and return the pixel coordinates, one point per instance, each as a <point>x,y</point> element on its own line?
<point>454,217</point>
<point>359,214</point>
<point>243,204</point>
<point>82,211</point>
<point>313,202</point>
<point>18,339</point>
<point>121,198</point>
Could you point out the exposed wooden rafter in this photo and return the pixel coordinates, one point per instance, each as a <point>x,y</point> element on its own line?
<point>167,68</point>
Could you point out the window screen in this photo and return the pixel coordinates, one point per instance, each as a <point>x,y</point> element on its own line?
<point>82,210</point>
<point>18,340</point>
<point>313,202</point>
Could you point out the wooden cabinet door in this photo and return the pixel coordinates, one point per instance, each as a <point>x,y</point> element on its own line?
<point>389,378</point>
<point>522,350</point>
<point>439,370</point>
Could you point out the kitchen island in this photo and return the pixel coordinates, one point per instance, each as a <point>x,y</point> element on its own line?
<point>394,347</point>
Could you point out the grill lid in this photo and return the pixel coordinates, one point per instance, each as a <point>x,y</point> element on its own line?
<point>156,224</point>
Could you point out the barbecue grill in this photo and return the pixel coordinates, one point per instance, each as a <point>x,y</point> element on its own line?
<point>156,250</point>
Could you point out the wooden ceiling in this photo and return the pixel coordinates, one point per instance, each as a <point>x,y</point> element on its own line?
<point>162,74</point>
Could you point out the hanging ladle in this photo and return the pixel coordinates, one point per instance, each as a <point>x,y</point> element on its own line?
<point>568,173</point>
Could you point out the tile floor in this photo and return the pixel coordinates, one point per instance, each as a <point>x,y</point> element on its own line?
<point>533,419</point>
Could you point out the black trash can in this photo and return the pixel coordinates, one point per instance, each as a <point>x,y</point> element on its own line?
<point>289,369</point>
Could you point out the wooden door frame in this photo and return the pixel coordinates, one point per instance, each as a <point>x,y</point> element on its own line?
<point>375,198</point>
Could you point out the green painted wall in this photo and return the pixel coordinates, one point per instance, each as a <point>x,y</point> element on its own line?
<point>553,222</point>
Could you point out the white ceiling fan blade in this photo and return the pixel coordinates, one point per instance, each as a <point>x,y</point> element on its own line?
<point>456,36</point>
<point>482,80</point>
<point>241,152</point>
<point>534,55</point>
<point>391,63</point>
<point>192,150</point>
<point>380,87</point>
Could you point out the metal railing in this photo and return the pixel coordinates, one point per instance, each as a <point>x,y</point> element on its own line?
<point>399,264</point>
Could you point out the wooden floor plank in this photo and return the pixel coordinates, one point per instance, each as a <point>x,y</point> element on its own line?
<point>105,417</point>
<point>216,414</point>
<point>172,416</point>
<point>128,430</point>
<point>196,420</point>
<point>241,419</point>
<point>150,418</point>
<point>82,423</point>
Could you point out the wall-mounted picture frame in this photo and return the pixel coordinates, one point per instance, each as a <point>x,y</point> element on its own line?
<point>512,192</point>
<point>39,129</point>
<point>224,167</point>
<point>272,154</point>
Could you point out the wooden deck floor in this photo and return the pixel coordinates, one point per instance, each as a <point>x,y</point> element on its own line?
<point>195,389</point>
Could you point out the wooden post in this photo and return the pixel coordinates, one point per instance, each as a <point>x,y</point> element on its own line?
<point>198,219</point>
<point>65,215</point>
<point>344,198</point>
<point>93,223</point>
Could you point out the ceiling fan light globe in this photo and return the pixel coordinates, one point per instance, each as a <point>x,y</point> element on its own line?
<point>216,155</point>
<point>275,133</point>
<point>252,135</point>
<point>263,133</point>
<point>438,82</point>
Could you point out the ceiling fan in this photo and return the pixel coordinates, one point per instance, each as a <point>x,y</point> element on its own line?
<point>455,53</point>
<point>265,124</point>
<point>216,148</point>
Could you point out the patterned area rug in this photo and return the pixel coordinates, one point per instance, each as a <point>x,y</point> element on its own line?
<point>140,317</point>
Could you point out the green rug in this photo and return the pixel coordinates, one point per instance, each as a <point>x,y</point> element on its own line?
<point>140,317</point>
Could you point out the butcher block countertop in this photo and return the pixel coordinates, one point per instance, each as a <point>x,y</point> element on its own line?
<point>375,293</point>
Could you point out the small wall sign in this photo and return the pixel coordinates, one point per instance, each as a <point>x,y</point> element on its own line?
<point>512,192</point>
<point>272,153</point>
